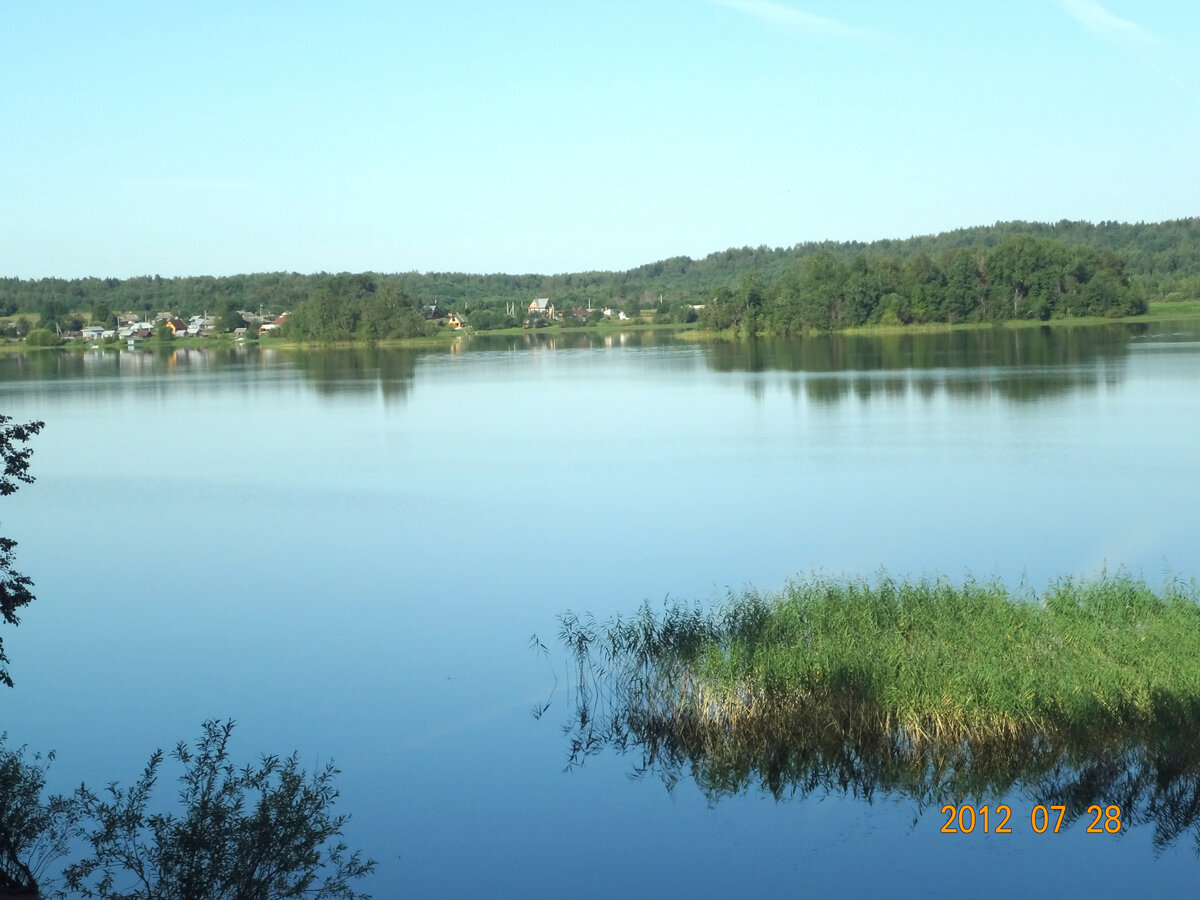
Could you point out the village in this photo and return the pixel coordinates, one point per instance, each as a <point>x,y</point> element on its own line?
<point>134,327</point>
<point>540,312</point>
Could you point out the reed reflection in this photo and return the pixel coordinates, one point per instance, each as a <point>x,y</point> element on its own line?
<point>756,697</point>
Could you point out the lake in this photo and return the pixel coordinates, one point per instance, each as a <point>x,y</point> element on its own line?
<point>348,552</point>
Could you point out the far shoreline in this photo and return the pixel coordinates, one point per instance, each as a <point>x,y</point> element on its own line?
<point>1158,312</point>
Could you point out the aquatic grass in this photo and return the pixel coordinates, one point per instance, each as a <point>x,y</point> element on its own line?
<point>1084,695</point>
<point>919,660</point>
<point>1087,693</point>
<point>946,661</point>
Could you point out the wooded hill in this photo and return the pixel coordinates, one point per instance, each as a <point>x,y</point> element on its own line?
<point>1007,270</point>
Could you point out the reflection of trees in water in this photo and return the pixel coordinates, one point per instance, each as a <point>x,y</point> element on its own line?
<point>55,364</point>
<point>633,692</point>
<point>362,370</point>
<point>591,339</point>
<point>137,372</point>
<point>1018,364</point>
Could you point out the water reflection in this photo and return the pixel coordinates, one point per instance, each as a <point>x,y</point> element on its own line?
<point>340,372</point>
<point>573,340</point>
<point>366,370</point>
<point>632,707</point>
<point>982,348</point>
<point>1020,365</point>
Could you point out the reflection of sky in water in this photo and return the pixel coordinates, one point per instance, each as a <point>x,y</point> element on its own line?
<point>349,558</point>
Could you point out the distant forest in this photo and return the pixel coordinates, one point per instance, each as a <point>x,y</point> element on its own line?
<point>1011,270</point>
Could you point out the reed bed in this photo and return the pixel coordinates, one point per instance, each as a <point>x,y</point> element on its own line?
<point>917,660</point>
<point>1087,693</point>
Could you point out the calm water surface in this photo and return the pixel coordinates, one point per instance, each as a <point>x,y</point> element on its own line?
<point>347,552</point>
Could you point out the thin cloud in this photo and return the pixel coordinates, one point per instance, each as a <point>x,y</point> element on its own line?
<point>1104,24</point>
<point>1142,44</point>
<point>785,18</point>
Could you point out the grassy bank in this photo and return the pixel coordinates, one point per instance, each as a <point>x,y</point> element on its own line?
<point>922,661</point>
<point>1159,311</point>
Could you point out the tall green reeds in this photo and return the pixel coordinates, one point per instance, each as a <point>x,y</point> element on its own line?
<point>934,660</point>
<point>935,689</point>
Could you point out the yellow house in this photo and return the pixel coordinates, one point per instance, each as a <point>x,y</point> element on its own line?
<point>456,320</point>
<point>542,307</point>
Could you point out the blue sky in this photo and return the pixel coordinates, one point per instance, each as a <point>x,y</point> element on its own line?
<point>215,138</point>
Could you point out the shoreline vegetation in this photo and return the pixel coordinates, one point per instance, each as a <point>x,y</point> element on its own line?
<point>1008,272</point>
<point>1156,312</point>
<point>933,690</point>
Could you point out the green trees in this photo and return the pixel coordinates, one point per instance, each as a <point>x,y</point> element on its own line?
<point>228,317</point>
<point>42,337</point>
<point>810,295</point>
<point>388,313</point>
<point>860,293</point>
<point>321,317</point>
<point>51,311</point>
<point>1025,277</point>
<point>102,314</point>
<point>722,311</point>
<point>258,832</point>
<point>964,291</point>
<point>927,296</point>
<point>343,309</point>
<point>1163,258</point>
<point>1024,270</point>
<point>1017,269</point>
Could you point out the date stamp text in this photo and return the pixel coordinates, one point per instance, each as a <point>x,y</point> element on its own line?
<point>968,819</point>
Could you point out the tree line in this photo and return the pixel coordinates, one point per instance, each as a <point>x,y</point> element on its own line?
<point>930,276</point>
<point>1022,278</point>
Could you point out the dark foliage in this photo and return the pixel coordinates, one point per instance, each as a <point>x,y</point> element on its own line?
<point>32,833</point>
<point>260,832</point>
<point>14,587</point>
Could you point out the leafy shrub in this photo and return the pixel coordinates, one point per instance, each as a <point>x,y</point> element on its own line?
<point>42,337</point>
<point>261,832</point>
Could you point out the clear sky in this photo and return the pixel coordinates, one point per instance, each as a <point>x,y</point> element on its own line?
<point>221,137</point>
